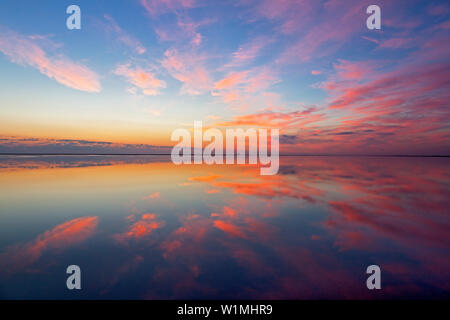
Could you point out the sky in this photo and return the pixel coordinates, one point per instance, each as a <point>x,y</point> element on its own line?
<point>139,69</point>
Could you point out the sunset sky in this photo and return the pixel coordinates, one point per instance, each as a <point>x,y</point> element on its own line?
<point>139,69</point>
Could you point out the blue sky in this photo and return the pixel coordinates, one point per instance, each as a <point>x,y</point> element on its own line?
<point>139,69</point>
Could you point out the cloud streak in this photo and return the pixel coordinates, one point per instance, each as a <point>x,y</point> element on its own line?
<point>140,78</point>
<point>123,37</point>
<point>26,51</point>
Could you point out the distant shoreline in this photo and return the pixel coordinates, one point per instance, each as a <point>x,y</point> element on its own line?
<point>168,154</point>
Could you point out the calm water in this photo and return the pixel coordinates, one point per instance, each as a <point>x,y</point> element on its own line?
<point>143,228</point>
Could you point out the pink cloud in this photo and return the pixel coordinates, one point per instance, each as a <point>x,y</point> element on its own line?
<point>310,24</point>
<point>189,70</point>
<point>231,80</point>
<point>349,70</point>
<point>261,79</point>
<point>245,89</point>
<point>140,78</point>
<point>197,39</point>
<point>189,29</point>
<point>272,119</point>
<point>378,110</point>
<point>370,110</point>
<point>25,51</point>
<point>247,52</point>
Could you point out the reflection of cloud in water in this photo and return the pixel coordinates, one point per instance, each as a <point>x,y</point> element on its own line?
<point>144,226</point>
<point>18,257</point>
<point>377,201</point>
<point>308,232</point>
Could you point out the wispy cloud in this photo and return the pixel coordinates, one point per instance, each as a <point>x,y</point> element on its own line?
<point>122,36</point>
<point>249,51</point>
<point>184,31</point>
<point>245,89</point>
<point>141,78</point>
<point>271,119</point>
<point>188,69</point>
<point>24,50</point>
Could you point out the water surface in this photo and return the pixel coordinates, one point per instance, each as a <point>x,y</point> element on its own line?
<point>140,227</point>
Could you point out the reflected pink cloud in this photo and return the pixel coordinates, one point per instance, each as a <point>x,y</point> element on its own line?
<point>212,191</point>
<point>230,229</point>
<point>205,178</point>
<point>379,204</point>
<point>261,186</point>
<point>155,195</point>
<point>242,231</point>
<point>308,231</point>
<point>144,226</point>
<point>374,195</point>
<point>20,257</point>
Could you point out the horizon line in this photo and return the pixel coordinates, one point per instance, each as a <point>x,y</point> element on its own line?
<point>168,154</point>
